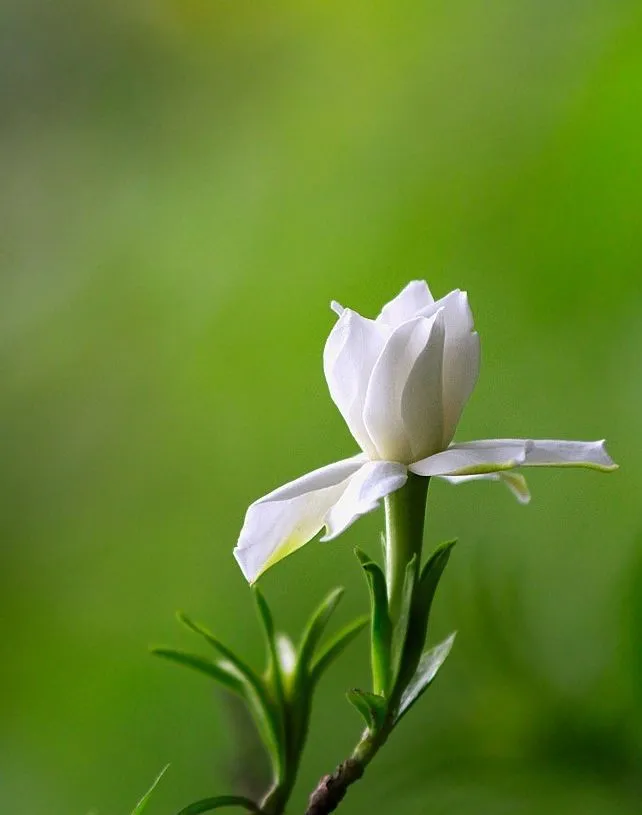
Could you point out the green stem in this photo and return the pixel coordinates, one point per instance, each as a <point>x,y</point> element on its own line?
<point>405,513</point>
<point>296,725</point>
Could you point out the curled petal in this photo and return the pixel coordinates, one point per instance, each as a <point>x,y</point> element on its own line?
<point>350,353</point>
<point>558,453</point>
<point>374,481</point>
<point>281,522</point>
<point>403,409</point>
<point>515,482</point>
<point>410,301</point>
<point>474,458</point>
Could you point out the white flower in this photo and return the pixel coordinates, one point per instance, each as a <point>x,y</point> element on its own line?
<point>401,382</point>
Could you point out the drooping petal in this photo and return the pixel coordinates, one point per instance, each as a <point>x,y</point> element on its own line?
<point>281,522</point>
<point>515,482</point>
<point>350,353</point>
<point>402,411</point>
<point>367,487</point>
<point>407,304</point>
<point>559,453</point>
<point>474,458</point>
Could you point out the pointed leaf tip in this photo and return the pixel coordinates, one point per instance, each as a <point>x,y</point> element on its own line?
<point>429,664</point>
<point>315,628</point>
<point>326,655</point>
<point>219,671</point>
<point>140,806</point>
<point>361,555</point>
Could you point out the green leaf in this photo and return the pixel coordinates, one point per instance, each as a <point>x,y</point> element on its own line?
<point>380,627</point>
<point>255,691</point>
<point>422,604</point>
<point>430,577</point>
<point>220,801</point>
<point>372,707</point>
<point>140,806</point>
<point>315,628</point>
<point>274,673</point>
<point>331,650</point>
<point>218,671</point>
<point>223,650</point>
<point>400,630</point>
<point>274,678</point>
<point>430,662</point>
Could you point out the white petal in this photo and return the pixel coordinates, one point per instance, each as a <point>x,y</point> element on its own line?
<point>286,653</point>
<point>281,522</point>
<point>407,304</point>
<point>422,397</point>
<point>558,453</point>
<point>349,356</point>
<point>461,356</point>
<point>374,481</point>
<point>474,458</point>
<point>461,360</point>
<point>515,482</point>
<point>402,411</point>
<point>337,307</point>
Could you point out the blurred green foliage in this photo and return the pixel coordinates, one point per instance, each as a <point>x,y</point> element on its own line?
<point>184,187</point>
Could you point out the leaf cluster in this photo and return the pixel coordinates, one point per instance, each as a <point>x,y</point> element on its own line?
<point>279,698</point>
<point>401,669</point>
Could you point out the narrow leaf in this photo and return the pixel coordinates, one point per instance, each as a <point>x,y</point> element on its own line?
<point>274,677</point>
<point>220,801</point>
<point>336,645</point>
<point>140,806</point>
<point>380,627</point>
<point>401,627</point>
<point>265,615</point>
<point>371,706</point>
<point>430,662</point>
<point>316,626</point>
<point>256,694</point>
<point>430,576</point>
<point>216,670</point>
<point>223,650</point>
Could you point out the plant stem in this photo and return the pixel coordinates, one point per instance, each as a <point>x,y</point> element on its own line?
<point>331,789</point>
<point>405,513</point>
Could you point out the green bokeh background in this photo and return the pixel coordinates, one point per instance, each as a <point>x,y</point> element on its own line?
<point>184,187</point>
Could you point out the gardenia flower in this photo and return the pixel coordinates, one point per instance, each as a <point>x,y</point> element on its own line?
<point>401,382</point>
